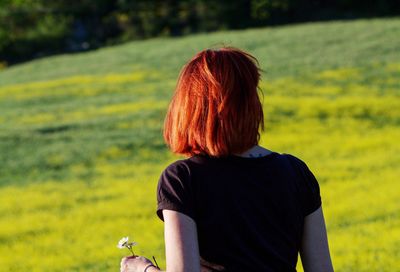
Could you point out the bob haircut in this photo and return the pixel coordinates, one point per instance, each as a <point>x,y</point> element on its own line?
<point>215,109</point>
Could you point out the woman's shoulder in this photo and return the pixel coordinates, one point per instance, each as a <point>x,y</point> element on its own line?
<point>295,160</point>
<point>175,166</point>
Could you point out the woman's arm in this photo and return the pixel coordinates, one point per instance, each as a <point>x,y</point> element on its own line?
<point>314,251</point>
<point>181,245</point>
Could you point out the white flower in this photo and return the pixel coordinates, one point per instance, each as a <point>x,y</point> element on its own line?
<point>123,242</point>
<point>130,244</point>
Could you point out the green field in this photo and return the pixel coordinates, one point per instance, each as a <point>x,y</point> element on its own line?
<point>81,147</point>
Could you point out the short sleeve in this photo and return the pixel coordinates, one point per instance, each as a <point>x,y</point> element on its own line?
<point>310,196</point>
<point>174,190</point>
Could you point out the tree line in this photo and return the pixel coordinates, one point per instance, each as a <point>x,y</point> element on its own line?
<point>36,28</point>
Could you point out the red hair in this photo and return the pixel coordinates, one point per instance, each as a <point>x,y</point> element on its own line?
<point>215,109</point>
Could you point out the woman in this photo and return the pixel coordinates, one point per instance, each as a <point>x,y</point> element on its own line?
<point>232,205</point>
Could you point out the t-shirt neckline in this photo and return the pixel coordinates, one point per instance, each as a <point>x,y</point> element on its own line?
<point>244,159</point>
<point>240,158</point>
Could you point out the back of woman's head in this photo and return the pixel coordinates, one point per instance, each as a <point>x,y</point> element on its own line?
<point>216,109</point>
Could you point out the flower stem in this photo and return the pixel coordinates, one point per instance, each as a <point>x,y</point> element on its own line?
<point>156,262</point>
<point>130,248</point>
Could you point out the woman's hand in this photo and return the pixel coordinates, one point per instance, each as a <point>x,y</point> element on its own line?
<point>134,264</point>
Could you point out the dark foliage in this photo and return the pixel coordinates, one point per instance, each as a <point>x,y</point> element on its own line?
<point>31,29</point>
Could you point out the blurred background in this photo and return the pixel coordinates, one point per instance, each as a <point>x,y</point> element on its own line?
<point>85,85</point>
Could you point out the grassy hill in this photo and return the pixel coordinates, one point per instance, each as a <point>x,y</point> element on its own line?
<point>81,148</point>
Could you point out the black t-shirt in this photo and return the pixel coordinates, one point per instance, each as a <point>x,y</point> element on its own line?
<point>249,212</point>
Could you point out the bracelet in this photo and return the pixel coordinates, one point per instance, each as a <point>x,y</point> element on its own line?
<point>147,267</point>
